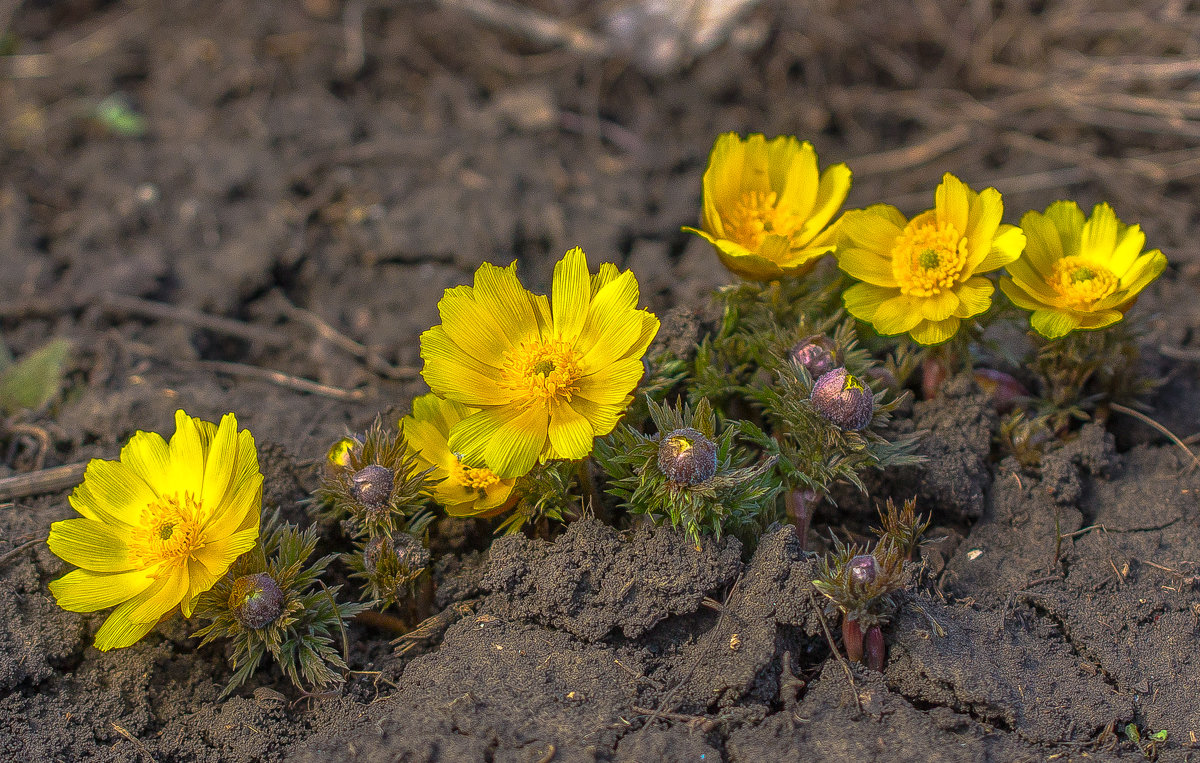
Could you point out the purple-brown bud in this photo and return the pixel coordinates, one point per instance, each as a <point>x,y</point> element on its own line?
<point>843,399</point>
<point>372,485</point>
<point>815,355</point>
<point>863,569</point>
<point>687,457</point>
<point>256,600</point>
<point>1002,389</point>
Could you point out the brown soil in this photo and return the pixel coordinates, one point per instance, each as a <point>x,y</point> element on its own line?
<point>284,182</point>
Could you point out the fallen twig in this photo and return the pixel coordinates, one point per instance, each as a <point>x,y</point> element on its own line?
<point>17,551</point>
<point>121,304</point>
<point>279,378</point>
<point>1158,427</point>
<point>42,481</point>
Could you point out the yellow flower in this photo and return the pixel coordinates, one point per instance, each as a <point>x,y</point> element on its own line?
<point>921,276</point>
<point>766,208</point>
<point>1076,274</point>
<point>160,526</point>
<point>465,491</point>
<point>546,378</point>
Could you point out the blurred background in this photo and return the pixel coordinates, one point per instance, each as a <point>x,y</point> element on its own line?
<point>224,202</point>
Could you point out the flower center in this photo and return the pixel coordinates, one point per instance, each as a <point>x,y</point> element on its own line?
<point>1081,283</point>
<point>928,258</point>
<point>754,216</point>
<point>542,371</point>
<point>168,529</point>
<point>472,478</point>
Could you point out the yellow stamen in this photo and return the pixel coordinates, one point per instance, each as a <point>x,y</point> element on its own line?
<point>927,258</point>
<point>1081,283</point>
<point>470,477</point>
<point>542,371</point>
<point>169,529</point>
<point>754,216</point>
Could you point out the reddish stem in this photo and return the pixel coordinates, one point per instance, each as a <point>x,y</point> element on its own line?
<point>875,649</point>
<point>799,503</point>
<point>852,638</point>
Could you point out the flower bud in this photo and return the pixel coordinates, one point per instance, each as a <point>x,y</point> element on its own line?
<point>687,457</point>
<point>392,562</point>
<point>338,456</point>
<point>843,399</point>
<point>862,569</point>
<point>1002,389</point>
<point>815,355</point>
<point>256,600</point>
<point>372,485</point>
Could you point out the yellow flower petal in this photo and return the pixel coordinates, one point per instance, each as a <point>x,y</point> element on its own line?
<point>937,307</point>
<point>610,385</point>
<point>794,173</point>
<point>862,300</point>
<point>975,297</point>
<point>111,493</point>
<point>92,545</point>
<point>476,331</point>
<point>1099,235</point>
<point>897,315</point>
<point>952,203</point>
<point>867,266</point>
<point>874,229</point>
<point>147,456</point>
<point>1128,247</point>
<point>1006,248</point>
<point>87,591</point>
<point>987,208</point>
<point>1043,246</point>
<point>1018,295</point>
<point>603,418</point>
<point>164,595</point>
<point>931,332</point>
<point>186,451</point>
<point>450,371</point>
<point>499,293</point>
<point>1053,324</point>
<point>832,190</point>
<point>119,631</point>
<point>1099,320</point>
<point>570,295</point>
<point>570,433</point>
<point>219,553</point>
<point>220,464</point>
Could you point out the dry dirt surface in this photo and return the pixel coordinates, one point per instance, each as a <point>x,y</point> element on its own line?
<point>292,186</point>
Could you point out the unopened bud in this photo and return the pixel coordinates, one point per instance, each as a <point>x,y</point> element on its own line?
<point>843,399</point>
<point>372,485</point>
<point>256,600</point>
<point>687,457</point>
<point>815,355</point>
<point>1002,389</point>
<point>863,569</point>
<point>394,561</point>
<point>339,455</point>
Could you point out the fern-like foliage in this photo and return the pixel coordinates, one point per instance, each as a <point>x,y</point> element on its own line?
<point>304,637</point>
<point>739,497</point>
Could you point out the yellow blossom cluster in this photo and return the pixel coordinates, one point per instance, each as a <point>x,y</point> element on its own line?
<point>769,214</point>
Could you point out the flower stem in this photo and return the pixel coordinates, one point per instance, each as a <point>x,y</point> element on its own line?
<point>852,638</point>
<point>799,504</point>
<point>875,650</point>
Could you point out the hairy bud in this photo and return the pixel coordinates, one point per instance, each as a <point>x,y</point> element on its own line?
<point>687,457</point>
<point>256,600</point>
<point>843,399</point>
